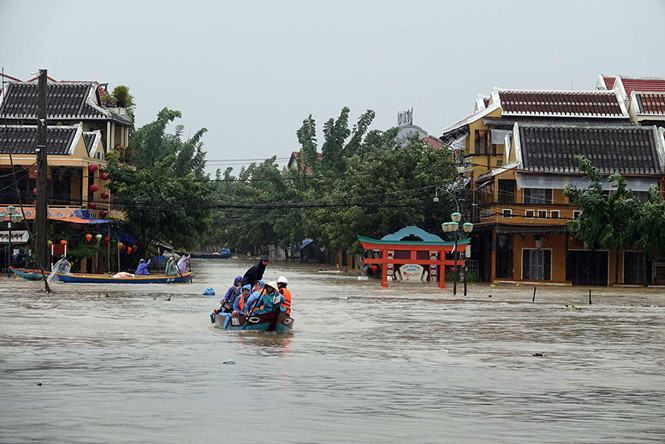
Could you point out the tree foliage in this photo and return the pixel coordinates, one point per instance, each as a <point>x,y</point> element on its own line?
<point>361,182</point>
<point>161,183</point>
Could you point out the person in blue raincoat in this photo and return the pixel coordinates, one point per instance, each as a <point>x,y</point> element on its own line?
<point>240,305</point>
<point>271,300</point>
<point>232,293</point>
<point>142,269</point>
<point>256,295</point>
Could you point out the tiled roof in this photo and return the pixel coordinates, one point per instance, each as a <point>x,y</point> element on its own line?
<point>594,104</point>
<point>650,103</point>
<point>23,139</point>
<point>433,142</point>
<point>89,139</point>
<point>65,101</point>
<point>609,81</point>
<point>642,85</point>
<point>553,149</point>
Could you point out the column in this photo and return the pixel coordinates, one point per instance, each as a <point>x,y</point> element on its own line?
<point>384,268</point>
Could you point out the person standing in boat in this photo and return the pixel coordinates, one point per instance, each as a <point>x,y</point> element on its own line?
<point>171,267</point>
<point>282,282</point>
<point>142,269</point>
<point>255,273</point>
<point>182,263</point>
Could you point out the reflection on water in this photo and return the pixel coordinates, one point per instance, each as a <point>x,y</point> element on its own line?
<point>108,364</point>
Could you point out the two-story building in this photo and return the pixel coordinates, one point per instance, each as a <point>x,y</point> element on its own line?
<point>82,130</point>
<point>518,150</point>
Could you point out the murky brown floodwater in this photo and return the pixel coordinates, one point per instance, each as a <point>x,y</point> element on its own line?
<point>124,364</point>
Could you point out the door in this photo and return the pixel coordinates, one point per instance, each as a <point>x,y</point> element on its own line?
<point>587,267</point>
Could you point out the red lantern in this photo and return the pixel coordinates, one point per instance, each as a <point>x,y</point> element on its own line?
<point>92,205</point>
<point>107,239</point>
<point>92,167</point>
<point>88,237</point>
<point>104,175</point>
<point>129,250</point>
<point>63,242</point>
<point>104,195</point>
<point>103,213</point>
<point>94,188</point>
<point>34,191</point>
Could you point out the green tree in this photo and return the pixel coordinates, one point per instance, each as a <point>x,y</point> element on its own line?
<point>609,219</point>
<point>161,184</point>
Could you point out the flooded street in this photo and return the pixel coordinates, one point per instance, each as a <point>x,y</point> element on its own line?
<point>143,364</point>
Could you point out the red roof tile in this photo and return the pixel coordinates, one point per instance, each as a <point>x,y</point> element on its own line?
<point>650,103</point>
<point>642,85</point>
<point>433,142</point>
<point>609,81</point>
<point>599,104</point>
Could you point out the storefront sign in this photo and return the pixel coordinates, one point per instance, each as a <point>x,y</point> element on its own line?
<point>18,237</point>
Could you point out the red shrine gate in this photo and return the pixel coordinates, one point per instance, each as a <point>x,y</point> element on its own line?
<point>395,251</point>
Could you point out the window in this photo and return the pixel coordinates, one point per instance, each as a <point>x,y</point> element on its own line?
<point>576,214</point>
<point>507,213</point>
<point>536,265</point>
<point>555,214</point>
<point>540,196</point>
<point>507,191</point>
<point>499,162</point>
<point>529,213</point>
<point>504,256</point>
<point>641,196</point>
<point>542,214</point>
<point>481,142</point>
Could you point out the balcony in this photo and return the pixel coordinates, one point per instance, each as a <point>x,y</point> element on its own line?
<point>526,214</point>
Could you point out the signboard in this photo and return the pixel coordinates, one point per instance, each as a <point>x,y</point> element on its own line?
<point>411,272</point>
<point>18,237</point>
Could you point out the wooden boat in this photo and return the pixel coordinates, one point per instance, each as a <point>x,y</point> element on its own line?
<point>30,274</point>
<point>275,321</point>
<point>224,253</point>
<point>85,278</point>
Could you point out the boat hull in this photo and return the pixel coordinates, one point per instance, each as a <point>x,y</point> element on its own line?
<point>81,278</point>
<point>277,322</point>
<point>27,273</point>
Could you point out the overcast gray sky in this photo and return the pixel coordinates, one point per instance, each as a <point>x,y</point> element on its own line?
<point>250,71</point>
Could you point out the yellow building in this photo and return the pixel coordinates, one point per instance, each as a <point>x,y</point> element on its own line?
<point>518,149</point>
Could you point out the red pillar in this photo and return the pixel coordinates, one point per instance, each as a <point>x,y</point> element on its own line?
<point>384,268</point>
<point>442,273</point>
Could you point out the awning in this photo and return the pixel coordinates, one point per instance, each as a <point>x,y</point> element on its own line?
<point>560,182</point>
<point>79,220</point>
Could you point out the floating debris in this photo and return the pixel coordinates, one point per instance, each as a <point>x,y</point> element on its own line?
<point>229,362</point>
<point>538,354</point>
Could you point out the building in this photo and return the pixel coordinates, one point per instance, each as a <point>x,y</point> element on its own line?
<point>644,97</point>
<point>518,151</point>
<point>83,127</point>
<point>406,130</point>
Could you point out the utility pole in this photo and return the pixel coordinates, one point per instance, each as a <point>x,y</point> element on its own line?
<point>41,219</point>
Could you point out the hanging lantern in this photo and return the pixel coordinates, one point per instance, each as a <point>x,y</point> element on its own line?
<point>129,250</point>
<point>103,213</point>
<point>94,188</point>
<point>98,237</point>
<point>92,205</point>
<point>63,242</point>
<point>34,191</point>
<point>93,167</point>
<point>107,239</point>
<point>120,245</point>
<point>104,175</point>
<point>88,237</point>
<point>105,195</point>
<point>49,242</point>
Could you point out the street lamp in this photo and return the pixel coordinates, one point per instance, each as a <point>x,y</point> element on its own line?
<point>454,227</point>
<point>16,217</point>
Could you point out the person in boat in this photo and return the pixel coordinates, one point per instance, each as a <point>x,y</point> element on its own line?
<point>255,273</point>
<point>255,296</point>
<point>270,300</point>
<point>182,263</point>
<point>241,301</point>
<point>171,267</point>
<point>231,294</point>
<point>142,269</point>
<point>282,283</point>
